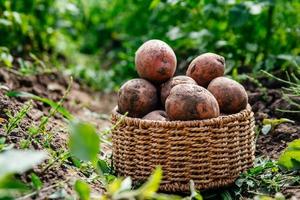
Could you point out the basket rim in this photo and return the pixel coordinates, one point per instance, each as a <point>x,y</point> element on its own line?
<point>225,119</point>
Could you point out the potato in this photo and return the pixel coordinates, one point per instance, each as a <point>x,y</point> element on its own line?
<point>231,96</point>
<point>205,68</point>
<point>158,115</point>
<point>137,97</point>
<point>155,61</point>
<point>191,102</point>
<point>167,86</point>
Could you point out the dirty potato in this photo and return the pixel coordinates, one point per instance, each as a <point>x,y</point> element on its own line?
<point>156,115</point>
<point>231,96</point>
<point>167,86</point>
<point>155,61</point>
<point>191,102</point>
<point>137,97</point>
<point>205,68</point>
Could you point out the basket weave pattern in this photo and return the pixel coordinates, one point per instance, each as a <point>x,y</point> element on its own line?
<point>210,152</point>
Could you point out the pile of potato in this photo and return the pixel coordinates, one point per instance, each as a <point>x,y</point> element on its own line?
<point>159,95</point>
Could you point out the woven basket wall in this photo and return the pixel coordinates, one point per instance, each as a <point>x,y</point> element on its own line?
<point>210,152</point>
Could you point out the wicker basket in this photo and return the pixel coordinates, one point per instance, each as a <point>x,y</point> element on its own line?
<point>210,152</point>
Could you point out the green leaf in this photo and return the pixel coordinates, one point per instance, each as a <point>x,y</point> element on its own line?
<point>2,140</point>
<point>76,161</point>
<point>19,161</point>
<point>285,159</point>
<point>290,158</point>
<point>9,186</point>
<point>226,195</point>
<point>114,186</point>
<point>275,122</point>
<point>49,102</point>
<point>152,185</point>
<point>84,142</point>
<point>9,182</point>
<point>103,166</point>
<point>82,189</point>
<point>294,145</point>
<point>154,4</point>
<point>36,181</point>
<point>255,170</point>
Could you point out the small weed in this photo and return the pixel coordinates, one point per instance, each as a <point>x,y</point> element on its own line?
<point>266,177</point>
<point>289,93</point>
<point>34,131</point>
<point>4,146</point>
<point>15,120</point>
<point>270,124</point>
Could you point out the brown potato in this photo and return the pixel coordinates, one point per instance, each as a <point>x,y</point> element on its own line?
<point>231,96</point>
<point>137,97</point>
<point>155,61</point>
<point>167,86</point>
<point>205,68</point>
<point>191,102</point>
<point>158,115</point>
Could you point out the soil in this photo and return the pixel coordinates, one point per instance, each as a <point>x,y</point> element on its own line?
<point>84,104</point>
<point>95,107</point>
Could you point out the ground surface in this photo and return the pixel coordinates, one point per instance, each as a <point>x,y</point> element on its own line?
<point>95,107</point>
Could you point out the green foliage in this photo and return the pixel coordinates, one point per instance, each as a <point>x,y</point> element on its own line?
<point>265,177</point>
<point>84,142</point>
<point>10,186</point>
<point>122,189</point>
<point>5,57</point>
<point>15,120</point>
<point>97,40</point>
<point>150,187</point>
<point>83,190</point>
<point>290,158</point>
<point>36,181</point>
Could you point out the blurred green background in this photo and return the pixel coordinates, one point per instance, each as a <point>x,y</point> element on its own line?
<point>95,40</point>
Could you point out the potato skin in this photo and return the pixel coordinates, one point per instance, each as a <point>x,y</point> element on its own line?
<point>166,87</point>
<point>191,102</point>
<point>157,115</point>
<point>231,96</point>
<point>155,61</point>
<point>137,97</point>
<point>206,67</point>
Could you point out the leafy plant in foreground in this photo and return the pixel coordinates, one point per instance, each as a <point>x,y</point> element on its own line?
<point>290,158</point>
<point>16,162</point>
<point>84,144</point>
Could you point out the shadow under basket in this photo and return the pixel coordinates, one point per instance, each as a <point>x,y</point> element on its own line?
<point>211,152</point>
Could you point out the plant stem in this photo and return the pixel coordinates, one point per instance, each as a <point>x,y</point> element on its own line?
<point>43,189</point>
